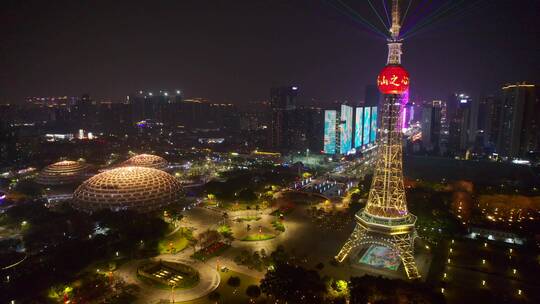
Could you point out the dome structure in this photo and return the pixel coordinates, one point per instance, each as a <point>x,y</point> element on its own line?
<point>62,173</point>
<point>147,160</point>
<point>134,188</point>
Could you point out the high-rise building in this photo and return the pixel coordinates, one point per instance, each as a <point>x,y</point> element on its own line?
<point>519,131</point>
<point>493,120</point>
<point>358,127</point>
<point>282,104</point>
<point>330,117</point>
<point>346,129</point>
<point>460,123</point>
<point>372,96</point>
<point>431,125</point>
<point>161,105</point>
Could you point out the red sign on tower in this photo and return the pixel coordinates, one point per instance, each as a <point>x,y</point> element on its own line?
<point>393,79</point>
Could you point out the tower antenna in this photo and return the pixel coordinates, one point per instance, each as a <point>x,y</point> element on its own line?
<point>396,27</point>
<point>394,43</point>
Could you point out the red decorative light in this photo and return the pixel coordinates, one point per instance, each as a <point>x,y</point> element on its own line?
<point>393,79</point>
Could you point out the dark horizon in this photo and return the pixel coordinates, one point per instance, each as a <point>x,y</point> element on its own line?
<point>236,51</point>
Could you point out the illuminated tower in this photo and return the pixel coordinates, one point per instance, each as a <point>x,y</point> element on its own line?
<point>385,220</point>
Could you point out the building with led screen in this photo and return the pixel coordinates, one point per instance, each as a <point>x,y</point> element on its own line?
<point>373,135</point>
<point>146,160</point>
<point>346,129</point>
<point>127,188</point>
<point>330,131</point>
<point>358,127</point>
<point>62,173</point>
<point>367,125</point>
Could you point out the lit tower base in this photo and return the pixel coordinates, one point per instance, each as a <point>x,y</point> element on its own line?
<point>385,220</point>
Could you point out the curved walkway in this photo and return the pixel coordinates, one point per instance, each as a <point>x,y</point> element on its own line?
<point>209,280</point>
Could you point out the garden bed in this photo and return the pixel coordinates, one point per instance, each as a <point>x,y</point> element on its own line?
<point>247,219</point>
<point>210,251</point>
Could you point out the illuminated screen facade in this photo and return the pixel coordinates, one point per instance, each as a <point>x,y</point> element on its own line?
<point>358,127</point>
<point>373,135</point>
<point>330,131</point>
<point>367,124</point>
<point>346,129</point>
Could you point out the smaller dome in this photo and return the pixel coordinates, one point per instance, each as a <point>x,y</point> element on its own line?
<point>62,173</point>
<point>146,160</point>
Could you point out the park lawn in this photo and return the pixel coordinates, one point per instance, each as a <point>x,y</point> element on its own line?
<point>258,237</point>
<point>228,294</point>
<point>278,225</point>
<point>178,241</point>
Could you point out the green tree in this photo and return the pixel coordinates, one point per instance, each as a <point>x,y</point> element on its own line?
<point>294,284</point>
<point>253,292</point>
<point>214,296</point>
<point>234,281</point>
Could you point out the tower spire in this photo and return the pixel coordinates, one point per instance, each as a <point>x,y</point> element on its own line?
<point>394,30</point>
<point>394,43</point>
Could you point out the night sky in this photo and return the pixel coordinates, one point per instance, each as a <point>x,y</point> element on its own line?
<point>236,50</point>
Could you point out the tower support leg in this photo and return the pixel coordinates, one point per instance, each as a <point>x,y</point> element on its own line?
<point>351,243</point>
<point>404,244</point>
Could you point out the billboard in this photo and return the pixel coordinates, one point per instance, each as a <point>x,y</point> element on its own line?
<point>373,136</point>
<point>346,129</point>
<point>367,124</point>
<point>358,127</point>
<point>330,132</point>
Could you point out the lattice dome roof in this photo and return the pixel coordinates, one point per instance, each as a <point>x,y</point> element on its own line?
<point>63,172</point>
<point>138,188</point>
<point>147,160</point>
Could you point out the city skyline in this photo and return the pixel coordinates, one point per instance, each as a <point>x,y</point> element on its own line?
<point>108,51</point>
<point>270,152</point>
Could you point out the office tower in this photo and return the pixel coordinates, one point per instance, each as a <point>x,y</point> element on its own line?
<point>519,131</point>
<point>282,104</point>
<point>459,108</point>
<point>161,105</point>
<point>431,125</point>
<point>372,96</point>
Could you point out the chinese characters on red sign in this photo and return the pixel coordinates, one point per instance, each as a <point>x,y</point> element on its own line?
<point>393,80</point>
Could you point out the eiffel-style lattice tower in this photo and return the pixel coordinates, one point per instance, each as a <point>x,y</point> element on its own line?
<point>385,220</point>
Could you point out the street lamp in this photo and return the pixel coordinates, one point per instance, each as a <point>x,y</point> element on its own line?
<point>172,291</point>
